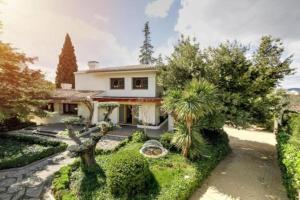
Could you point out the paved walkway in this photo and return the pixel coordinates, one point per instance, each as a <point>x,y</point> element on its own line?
<point>250,172</point>
<point>32,181</point>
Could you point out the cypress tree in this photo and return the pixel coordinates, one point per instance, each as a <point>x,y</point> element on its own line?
<point>146,49</point>
<point>67,64</point>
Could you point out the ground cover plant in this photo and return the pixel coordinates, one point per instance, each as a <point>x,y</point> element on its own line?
<point>288,148</point>
<point>171,177</point>
<point>17,150</point>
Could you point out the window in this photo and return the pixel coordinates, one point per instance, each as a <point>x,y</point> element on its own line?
<point>140,83</point>
<point>70,108</point>
<point>49,107</point>
<point>117,83</point>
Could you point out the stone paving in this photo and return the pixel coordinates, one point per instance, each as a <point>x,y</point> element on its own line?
<point>250,172</point>
<point>32,181</point>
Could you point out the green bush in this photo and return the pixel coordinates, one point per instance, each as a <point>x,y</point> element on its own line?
<point>61,182</point>
<point>128,173</point>
<point>289,154</point>
<point>139,136</point>
<point>14,124</point>
<point>165,139</point>
<point>182,189</point>
<point>20,150</point>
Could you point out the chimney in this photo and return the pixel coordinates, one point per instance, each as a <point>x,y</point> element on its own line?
<point>93,65</point>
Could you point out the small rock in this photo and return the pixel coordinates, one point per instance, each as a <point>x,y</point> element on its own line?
<point>187,177</point>
<point>14,189</point>
<point>20,178</point>
<point>7,182</point>
<point>5,196</point>
<point>19,195</point>
<point>35,191</point>
<point>2,176</point>
<point>2,189</point>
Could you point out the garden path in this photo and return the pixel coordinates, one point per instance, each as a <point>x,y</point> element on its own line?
<point>32,181</point>
<point>250,172</point>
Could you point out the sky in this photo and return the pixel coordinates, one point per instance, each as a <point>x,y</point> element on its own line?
<point>110,31</point>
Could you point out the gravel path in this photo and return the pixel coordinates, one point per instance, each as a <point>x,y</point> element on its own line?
<point>250,172</point>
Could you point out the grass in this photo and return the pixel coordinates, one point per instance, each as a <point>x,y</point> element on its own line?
<point>17,151</point>
<point>175,177</point>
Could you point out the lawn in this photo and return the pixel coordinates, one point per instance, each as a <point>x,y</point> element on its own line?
<point>17,151</point>
<point>174,177</point>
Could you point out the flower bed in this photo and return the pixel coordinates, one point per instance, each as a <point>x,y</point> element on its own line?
<point>20,150</point>
<point>173,176</point>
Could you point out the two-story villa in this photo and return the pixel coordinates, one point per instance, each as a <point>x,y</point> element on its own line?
<point>134,87</point>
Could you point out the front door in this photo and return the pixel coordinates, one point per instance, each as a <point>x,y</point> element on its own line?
<point>127,115</point>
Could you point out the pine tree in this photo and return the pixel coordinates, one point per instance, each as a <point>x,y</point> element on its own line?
<point>67,64</point>
<point>146,50</point>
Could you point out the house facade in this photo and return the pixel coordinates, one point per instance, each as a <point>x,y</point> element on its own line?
<point>133,87</point>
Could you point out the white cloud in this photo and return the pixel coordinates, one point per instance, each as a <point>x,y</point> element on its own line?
<point>167,48</point>
<point>41,33</point>
<point>101,18</point>
<point>215,21</point>
<point>158,8</point>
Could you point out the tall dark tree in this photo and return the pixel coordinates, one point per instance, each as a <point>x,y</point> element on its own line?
<point>146,50</point>
<point>67,64</point>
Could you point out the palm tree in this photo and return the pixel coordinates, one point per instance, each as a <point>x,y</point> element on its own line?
<point>187,107</point>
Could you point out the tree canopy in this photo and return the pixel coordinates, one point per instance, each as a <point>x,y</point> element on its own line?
<point>243,82</point>
<point>23,91</point>
<point>67,64</point>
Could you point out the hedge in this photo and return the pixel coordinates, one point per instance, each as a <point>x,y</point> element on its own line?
<point>51,147</point>
<point>219,149</point>
<point>61,182</point>
<point>14,124</point>
<point>166,180</point>
<point>289,154</point>
<point>128,173</point>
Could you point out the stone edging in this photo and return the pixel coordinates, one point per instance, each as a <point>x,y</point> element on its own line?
<point>28,166</point>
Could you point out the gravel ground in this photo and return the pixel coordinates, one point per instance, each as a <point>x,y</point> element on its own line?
<point>250,172</point>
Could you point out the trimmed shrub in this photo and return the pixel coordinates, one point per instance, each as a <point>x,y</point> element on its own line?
<point>288,149</point>
<point>14,124</point>
<point>40,149</point>
<point>139,136</point>
<point>61,182</point>
<point>165,139</point>
<point>128,174</point>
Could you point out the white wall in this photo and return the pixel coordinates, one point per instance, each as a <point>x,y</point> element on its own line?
<point>101,81</point>
<point>170,123</point>
<point>83,111</point>
<point>147,113</point>
<point>114,115</point>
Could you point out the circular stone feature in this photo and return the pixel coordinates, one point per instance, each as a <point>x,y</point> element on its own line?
<point>153,149</point>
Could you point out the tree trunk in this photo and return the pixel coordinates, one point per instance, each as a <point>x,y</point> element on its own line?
<point>275,128</point>
<point>188,143</point>
<point>88,158</point>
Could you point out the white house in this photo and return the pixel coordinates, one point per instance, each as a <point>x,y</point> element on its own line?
<point>134,87</point>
